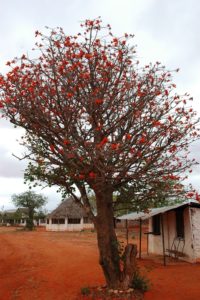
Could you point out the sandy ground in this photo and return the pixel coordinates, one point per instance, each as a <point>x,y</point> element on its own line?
<point>44,265</point>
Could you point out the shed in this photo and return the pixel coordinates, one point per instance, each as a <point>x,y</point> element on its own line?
<point>173,230</point>
<point>68,216</point>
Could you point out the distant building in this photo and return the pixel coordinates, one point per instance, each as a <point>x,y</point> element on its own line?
<point>68,216</point>
<point>14,217</point>
<point>18,217</point>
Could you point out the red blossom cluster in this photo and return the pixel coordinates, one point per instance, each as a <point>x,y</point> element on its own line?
<point>89,110</point>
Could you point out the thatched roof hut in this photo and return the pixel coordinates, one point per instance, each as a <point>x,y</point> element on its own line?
<point>68,209</point>
<point>69,215</point>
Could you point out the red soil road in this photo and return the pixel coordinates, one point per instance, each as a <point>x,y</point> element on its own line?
<point>55,266</point>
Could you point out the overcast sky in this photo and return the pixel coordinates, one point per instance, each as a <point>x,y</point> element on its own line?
<point>166,31</point>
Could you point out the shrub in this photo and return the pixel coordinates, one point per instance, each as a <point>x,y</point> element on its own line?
<point>85,291</point>
<point>140,282</point>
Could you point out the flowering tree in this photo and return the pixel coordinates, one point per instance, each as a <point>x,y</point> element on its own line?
<point>96,120</point>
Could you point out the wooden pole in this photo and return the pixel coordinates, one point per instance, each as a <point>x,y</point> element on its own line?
<point>140,245</point>
<point>163,240</point>
<point>126,231</point>
<point>192,236</point>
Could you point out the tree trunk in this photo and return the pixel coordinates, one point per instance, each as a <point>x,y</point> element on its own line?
<point>118,274</point>
<point>29,222</point>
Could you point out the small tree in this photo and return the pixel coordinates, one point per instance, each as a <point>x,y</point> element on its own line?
<point>97,121</point>
<point>31,201</point>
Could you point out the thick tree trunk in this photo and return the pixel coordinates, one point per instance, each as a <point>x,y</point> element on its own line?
<point>29,222</point>
<point>118,275</point>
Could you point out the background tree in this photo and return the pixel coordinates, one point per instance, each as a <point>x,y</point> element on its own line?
<point>41,215</point>
<point>32,202</point>
<point>95,120</point>
<point>136,197</point>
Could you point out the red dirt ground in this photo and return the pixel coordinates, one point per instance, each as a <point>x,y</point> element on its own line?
<point>43,265</point>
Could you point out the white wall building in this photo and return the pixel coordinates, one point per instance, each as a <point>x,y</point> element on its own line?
<point>14,217</point>
<point>68,216</point>
<point>18,217</point>
<point>173,230</point>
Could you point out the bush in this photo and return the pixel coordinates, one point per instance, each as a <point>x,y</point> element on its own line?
<point>140,282</point>
<point>85,291</point>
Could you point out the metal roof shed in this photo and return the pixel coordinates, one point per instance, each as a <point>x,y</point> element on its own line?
<point>162,212</point>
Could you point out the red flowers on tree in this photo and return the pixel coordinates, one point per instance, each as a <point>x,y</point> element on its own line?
<point>100,123</point>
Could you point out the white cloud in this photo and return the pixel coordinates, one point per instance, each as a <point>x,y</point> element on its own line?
<point>17,186</point>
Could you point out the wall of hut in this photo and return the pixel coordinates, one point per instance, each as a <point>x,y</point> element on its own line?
<point>68,224</point>
<point>189,246</point>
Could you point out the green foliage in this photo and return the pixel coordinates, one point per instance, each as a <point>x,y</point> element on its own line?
<point>41,214</point>
<point>138,197</point>
<point>85,291</point>
<point>140,282</point>
<point>31,201</point>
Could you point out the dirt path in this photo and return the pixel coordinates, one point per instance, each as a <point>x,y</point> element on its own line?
<point>54,266</point>
<point>176,281</point>
<point>47,266</point>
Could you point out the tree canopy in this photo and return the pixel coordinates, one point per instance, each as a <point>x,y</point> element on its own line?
<point>97,120</point>
<point>32,202</point>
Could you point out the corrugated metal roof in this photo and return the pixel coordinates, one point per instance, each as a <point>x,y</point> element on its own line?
<point>132,216</point>
<point>155,211</point>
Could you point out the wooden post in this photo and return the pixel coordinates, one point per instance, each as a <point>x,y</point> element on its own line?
<point>140,245</point>
<point>126,231</point>
<point>192,236</point>
<point>163,240</point>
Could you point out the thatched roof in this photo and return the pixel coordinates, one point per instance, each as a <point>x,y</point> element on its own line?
<point>68,208</point>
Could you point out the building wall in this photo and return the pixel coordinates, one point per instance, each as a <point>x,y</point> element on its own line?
<point>155,241</point>
<point>68,227</point>
<point>195,216</point>
<point>22,222</point>
<point>169,224</point>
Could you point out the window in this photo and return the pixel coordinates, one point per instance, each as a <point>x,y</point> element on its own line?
<point>58,221</point>
<point>61,221</point>
<point>54,221</point>
<point>47,221</point>
<point>74,221</point>
<point>179,223</point>
<point>156,224</point>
